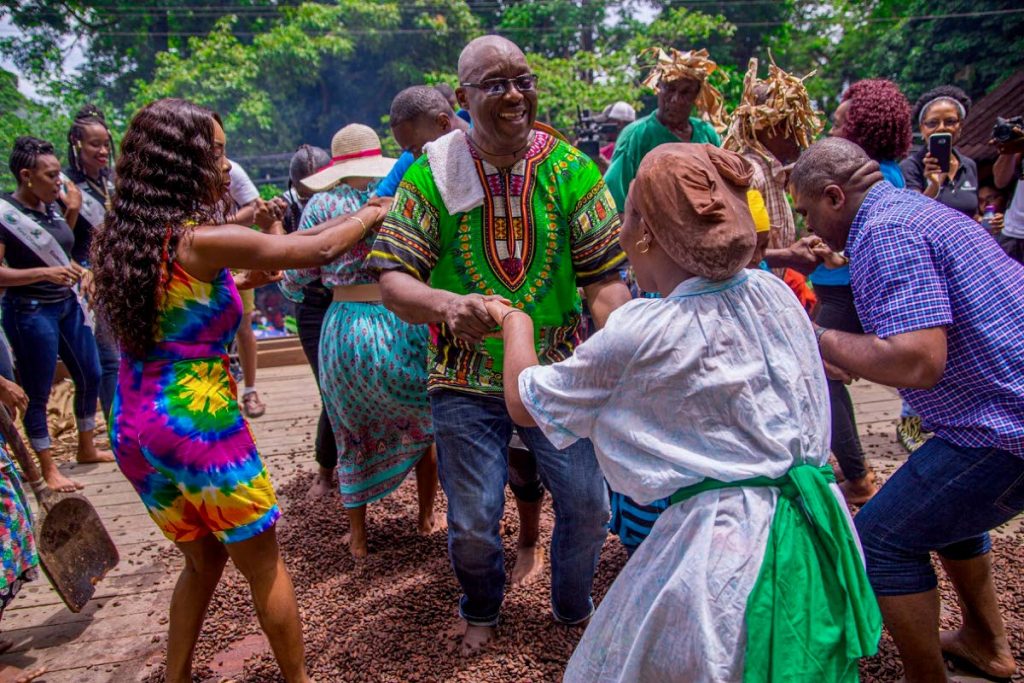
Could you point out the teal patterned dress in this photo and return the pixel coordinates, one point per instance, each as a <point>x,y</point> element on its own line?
<point>373,368</point>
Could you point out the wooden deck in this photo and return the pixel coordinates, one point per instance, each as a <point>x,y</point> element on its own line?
<point>123,628</point>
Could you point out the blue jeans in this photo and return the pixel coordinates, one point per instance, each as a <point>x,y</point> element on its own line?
<point>110,365</point>
<point>6,362</point>
<point>472,435</point>
<point>945,498</point>
<point>39,333</point>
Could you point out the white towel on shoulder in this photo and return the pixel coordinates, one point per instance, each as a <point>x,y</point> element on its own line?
<point>455,172</point>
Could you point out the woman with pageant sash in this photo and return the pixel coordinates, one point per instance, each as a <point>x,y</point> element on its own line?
<point>44,317</point>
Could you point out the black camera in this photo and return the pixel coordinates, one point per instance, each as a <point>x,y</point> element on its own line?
<point>1008,130</point>
<point>592,132</point>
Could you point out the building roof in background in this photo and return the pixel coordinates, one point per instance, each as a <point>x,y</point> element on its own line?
<point>1006,100</point>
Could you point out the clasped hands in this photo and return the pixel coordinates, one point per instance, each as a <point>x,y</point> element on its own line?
<point>473,317</point>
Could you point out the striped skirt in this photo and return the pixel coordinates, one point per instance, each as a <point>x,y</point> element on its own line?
<point>373,378</point>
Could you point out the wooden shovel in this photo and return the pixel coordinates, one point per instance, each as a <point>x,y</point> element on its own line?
<point>75,550</point>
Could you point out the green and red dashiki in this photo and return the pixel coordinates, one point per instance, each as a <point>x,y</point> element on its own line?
<point>546,226</point>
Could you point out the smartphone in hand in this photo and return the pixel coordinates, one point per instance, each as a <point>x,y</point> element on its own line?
<point>940,146</point>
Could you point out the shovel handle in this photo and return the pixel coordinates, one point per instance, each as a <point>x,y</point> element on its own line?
<point>24,458</point>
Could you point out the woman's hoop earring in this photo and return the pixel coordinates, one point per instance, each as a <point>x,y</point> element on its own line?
<point>644,247</point>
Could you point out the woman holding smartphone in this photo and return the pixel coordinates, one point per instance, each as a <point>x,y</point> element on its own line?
<point>939,115</point>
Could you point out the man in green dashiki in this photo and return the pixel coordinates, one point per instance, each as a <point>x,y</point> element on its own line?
<point>503,211</point>
<point>680,79</point>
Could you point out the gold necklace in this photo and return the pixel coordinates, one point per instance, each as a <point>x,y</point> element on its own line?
<point>529,141</point>
<point>102,191</point>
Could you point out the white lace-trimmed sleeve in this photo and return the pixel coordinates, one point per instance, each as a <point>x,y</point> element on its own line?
<point>566,398</point>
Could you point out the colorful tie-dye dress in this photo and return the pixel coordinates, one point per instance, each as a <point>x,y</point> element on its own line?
<point>176,427</point>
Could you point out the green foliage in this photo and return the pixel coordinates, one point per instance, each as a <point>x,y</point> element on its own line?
<point>269,191</point>
<point>283,72</point>
<point>124,38</point>
<point>755,24</point>
<point>914,43</point>
<point>316,68</point>
<point>20,116</point>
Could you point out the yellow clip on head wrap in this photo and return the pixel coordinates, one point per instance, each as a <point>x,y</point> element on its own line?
<point>762,223</point>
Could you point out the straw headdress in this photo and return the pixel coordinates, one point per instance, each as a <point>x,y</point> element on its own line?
<point>779,101</point>
<point>693,64</point>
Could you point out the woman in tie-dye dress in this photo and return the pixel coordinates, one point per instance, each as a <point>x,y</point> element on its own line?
<point>163,285</point>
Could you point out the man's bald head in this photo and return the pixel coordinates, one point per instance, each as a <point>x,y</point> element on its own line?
<point>484,51</point>
<point>829,183</point>
<point>832,161</point>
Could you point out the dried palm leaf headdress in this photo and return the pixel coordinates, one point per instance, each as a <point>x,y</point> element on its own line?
<point>780,100</point>
<point>693,64</point>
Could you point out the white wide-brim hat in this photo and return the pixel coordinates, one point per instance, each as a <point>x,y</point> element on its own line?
<point>355,153</point>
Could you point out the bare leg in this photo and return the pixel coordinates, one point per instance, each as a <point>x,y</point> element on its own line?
<point>53,476</point>
<point>529,554</point>
<point>247,350</point>
<point>259,560</point>
<point>859,491</point>
<point>529,494</point>
<point>426,492</point>
<point>204,563</point>
<point>252,405</point>
<point>87,452</point>
<point>323,484</point>
<point>357,532</point>
<point>982,638</point>
<point>913,622</point>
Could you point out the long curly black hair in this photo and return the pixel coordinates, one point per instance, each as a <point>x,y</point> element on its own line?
<point>167,178</point>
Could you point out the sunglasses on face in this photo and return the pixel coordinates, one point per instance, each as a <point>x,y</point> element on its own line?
<point>496,87</point>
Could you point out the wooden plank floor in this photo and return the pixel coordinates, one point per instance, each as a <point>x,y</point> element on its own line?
<point>123,627</point>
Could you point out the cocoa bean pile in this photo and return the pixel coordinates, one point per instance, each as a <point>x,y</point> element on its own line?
<point>393,618</point>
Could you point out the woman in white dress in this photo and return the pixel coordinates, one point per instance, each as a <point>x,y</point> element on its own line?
<point>714,395</point>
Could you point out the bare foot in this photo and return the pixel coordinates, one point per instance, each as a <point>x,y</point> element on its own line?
<point>990,658</point>
<point>322,485</point>
<point>433,524</point>
<point>30,675</point>
<point>529,565</point>
<point>15,674</point>
<point>357,546</point>
<point>859,491</point>
<point>475,639</point>
<point>56,480</point>
<point>93,456</point>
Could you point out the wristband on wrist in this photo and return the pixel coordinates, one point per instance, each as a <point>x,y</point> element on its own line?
<point>362,223</point>
<point>818,333</point>
<point>507,314</point>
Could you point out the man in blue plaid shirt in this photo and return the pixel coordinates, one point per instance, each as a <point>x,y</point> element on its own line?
<point>943,313</point>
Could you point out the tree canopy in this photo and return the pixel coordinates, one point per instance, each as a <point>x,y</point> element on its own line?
<point>283,72</point>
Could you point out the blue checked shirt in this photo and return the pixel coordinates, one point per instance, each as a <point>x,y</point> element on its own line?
<point>916,264</point>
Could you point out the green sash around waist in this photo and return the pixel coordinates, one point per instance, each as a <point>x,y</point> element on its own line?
<point>811,613</point>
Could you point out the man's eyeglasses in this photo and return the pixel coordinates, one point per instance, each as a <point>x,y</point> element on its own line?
<point>496,87</point>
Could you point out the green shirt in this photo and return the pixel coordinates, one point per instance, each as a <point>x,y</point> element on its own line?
<point>639,138</point>
<point>546,227</point>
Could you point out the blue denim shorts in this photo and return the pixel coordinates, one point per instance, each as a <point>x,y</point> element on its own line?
<point>945,498</point>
